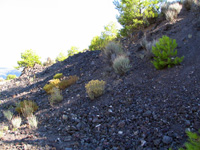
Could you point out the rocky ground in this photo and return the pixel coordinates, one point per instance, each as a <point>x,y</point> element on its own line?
<point>146,109</point>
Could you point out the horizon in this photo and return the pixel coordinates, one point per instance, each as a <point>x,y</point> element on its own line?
<point>49,27</point>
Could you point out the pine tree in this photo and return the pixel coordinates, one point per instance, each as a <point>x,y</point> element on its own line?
<point>134,14</point>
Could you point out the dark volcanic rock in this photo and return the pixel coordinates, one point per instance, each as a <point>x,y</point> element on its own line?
<point>144,109</point>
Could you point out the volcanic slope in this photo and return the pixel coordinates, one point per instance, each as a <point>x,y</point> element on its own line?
<point>145,109</point>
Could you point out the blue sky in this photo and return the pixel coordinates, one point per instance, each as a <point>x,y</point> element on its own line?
<point>50,26</point>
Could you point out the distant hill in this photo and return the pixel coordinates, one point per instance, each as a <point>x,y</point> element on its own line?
<point>6,71</point>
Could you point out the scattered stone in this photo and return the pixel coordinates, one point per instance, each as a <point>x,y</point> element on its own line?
<point>147,113</point>
<point>120,132</point>
<point>121,124</point>
<point>156,142</point>
<point>167,139</point>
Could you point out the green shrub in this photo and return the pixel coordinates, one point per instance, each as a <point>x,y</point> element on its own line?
<point>26,108</point>
<point>52,83</point>
<point>67,82</point>
<point>171,10</point>
<point>61,57</point>
<point>109,34</point>
<point>73,50</point>
<point>58,76</point>
<point>132,18</point>
<point>112,50</point>
<point>121,64</point>
<point>193,141</point>
<point>29,59</point>
<point>10,76</point>
<point>56,96</point>
<point>164,53</point>
<point>95,88</point>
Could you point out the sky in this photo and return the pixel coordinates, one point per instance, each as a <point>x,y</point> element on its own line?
<point>49,27</point>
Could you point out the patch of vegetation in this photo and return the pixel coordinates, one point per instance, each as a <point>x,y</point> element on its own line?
<point>29,59</point>
<point>95,88</point>
<point>193,141</point>
<point>8,115</point>
<point>52,83</point>
<point>26,108</point>
<point>73,50</point>
<point>48,62</point>
<point>58,76</point>
<point>165,53</point>
<point>121,65</point>
<point>10,76</point>
<point>171,10</point>
<point>56,96</point>
<point>67,82</point>
<point>132,18</point>
<point>112,50</point>
<point>16,122</point>
<point>147,46</point>
<point>61,57</point>
<point>99,42</point>
<point>32,121</point>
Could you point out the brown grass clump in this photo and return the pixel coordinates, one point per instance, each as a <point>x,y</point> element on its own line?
<point>95,88</point>
<point>26,108</point>
<point>52,83</point>
<point>67,82</point>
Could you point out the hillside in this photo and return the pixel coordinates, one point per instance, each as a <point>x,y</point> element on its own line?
<point>146,109</point>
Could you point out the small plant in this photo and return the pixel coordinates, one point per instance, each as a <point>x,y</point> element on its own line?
<point>52,83</point>
<point>193,141</point>
<point>121,65</point>
<point>58,76</point>
<point>67,82</point>
<point>8,115</point>
<point>147,46</point>
<point>95,88</point>
<point>112,50</point>
<point>165,53</point>
<point>171,10</point>
<point>26,107</point>
<point>56,96</point>
<point>32,121</point>
<point>10,76</point>
<point>1,133</point>
<point>16,122</point>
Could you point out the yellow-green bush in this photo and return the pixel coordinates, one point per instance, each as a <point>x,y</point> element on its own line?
<point>58,76</point>
<point>56,96</point>
<point>26,107</point>
<point>67,82</point>
<point>10,76</point>
<point>52,83</point>
<point>95,88</point>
